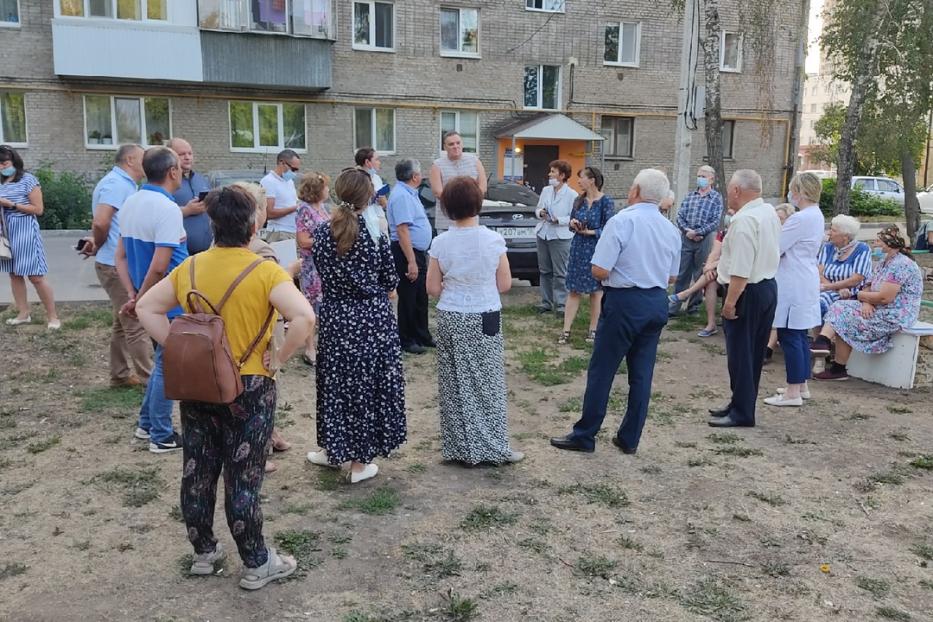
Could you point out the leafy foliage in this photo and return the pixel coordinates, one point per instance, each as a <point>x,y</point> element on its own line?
<point>67,199</point>
<point>860,203</point>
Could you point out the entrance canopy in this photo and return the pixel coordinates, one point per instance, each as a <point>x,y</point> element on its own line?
<point>548,127</point>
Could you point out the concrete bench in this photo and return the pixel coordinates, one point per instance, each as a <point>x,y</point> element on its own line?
<point>907,364</point>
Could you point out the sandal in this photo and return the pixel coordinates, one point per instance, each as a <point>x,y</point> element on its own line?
<point>278,441</point>
<point>564,337</point>
<point>591,337</point>
<point>15,321</point>
<point>204,563</point>
<point>276,567</point>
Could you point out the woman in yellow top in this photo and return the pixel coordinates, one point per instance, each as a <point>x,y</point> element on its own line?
<point>233,438</point>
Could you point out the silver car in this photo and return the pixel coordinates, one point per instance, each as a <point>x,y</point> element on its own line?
<point>882,187</point>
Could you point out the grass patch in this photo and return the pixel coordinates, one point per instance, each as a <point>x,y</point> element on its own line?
<point>711,598</point>
<point>139,486</point>
<point>484,517</point>
<point>876,587</point>
<point>739,451</point>
<point>573,405</point>
<point>627,543</point>
<point>101,318</point>
<point>774,500</point>
<point>892,477</point>
<point>724,439</point>
<point>417,467</point>
<point>379,503</point>
<point>890,613</point>
<point>602,494</point>
<point>685,445</point>
<point>687,323</point>
<point>923,462</point>
<point>790,440</point>
<point>923,550</point>
<point>175,514</point>
<point>898,410</point>
<point>39,446</point>
<point>776,569</point>
<point>436,561</point>
<point>598,567</point>
<point>297,508</point>
<point>536,546</point>
<point>328,480</point>
<point>301,544</point>
<point>700,461</point>
<point>111,400</point>
<point>12,570</point>
<point>459,608</point>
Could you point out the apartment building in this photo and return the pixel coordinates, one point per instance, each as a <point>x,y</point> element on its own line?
<point>524,81</point>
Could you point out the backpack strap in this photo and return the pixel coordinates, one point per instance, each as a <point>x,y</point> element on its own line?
<point>236,282</point>
<point>193,303</point>
<point>262,331</point>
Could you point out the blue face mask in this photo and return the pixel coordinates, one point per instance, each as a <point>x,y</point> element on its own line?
<point>790,199</point>
<point>289,176</point>
<point>702,182</point>
<point>876,253</point>
<point>8,171</point>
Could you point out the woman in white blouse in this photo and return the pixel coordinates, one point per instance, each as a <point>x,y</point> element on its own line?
<point>798,281</point>
<point>468,270</point>
<point>554,235</point>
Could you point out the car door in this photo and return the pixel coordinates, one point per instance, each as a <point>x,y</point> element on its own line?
<point>890,189</point>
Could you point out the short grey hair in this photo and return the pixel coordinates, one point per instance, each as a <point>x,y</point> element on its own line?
<point>671,195</point>
<point>787,208</point>
<point>406,168</point>
<point>846,224</point>
<point>124,151</point>
<point>747,179</point>
<point>653,185</point>
<point>706,168</point>
<point>157,162</point>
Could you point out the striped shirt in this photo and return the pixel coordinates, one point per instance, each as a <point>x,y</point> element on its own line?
<point>858,262</point>
<point>18,192</point>
<point>700,212</point>
<point>467,165</point>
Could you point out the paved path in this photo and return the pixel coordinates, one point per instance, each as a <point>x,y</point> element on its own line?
<point>74,280</point>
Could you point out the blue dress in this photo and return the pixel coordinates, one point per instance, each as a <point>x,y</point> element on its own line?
<point>22,230</point>
<point>579,277</point>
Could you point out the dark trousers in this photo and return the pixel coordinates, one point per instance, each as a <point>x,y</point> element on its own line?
<point>412,299</point>
<point>629,328</point>
<point>796,354</point>
<point>692,259</point>
<point>234,440</point>
<point>746,340</point>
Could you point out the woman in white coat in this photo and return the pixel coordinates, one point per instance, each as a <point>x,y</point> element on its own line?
<point>798,281</point>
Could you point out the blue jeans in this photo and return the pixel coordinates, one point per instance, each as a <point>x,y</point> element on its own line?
<point>156,414</point>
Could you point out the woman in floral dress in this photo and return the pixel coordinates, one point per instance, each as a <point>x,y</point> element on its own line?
<point>360,384</point>
<point>890,303</point>
<point>590,214</point>
<point>312,193</point>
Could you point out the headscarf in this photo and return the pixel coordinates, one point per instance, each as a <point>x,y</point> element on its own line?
<point>892,238</point>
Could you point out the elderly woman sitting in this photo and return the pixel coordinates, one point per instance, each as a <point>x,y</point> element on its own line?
<point>844,262</point>
<point>891,302</point>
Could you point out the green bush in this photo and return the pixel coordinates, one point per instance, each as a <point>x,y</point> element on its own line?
<point>67,199</point>
<point>860,203</point>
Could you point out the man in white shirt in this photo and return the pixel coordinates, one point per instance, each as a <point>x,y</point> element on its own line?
<point>281,196</point>
<point>368,160</point>
<point>554,235</point>
<point>750,257</point>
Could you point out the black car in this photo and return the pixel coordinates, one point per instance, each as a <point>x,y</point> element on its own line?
<point>509,210</point>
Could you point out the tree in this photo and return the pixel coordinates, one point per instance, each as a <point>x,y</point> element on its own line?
<point>713,125</point>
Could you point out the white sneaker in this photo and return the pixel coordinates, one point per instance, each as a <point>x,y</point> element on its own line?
<point>141,434</point>
<point>515,456</point>
<point>204,563</point>
<point>15,321</point>
<point>805,394</point>
<point>369,471</point>
<point>320,458</point>
<point>780,400</point>
<point>54,325</point>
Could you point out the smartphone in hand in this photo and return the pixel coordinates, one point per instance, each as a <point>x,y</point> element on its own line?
<point>202,195</point>
<point>80,245</point>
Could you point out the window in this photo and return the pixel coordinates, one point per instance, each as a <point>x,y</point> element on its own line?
<point>9,13</point>
<point>886,185</point>
<point>266,127</point>
<point>812,107</point>
<point>374,127</point>
<point>730,52</point>
<point>619,133</point>
<point>542,87</point>
<point>308,18</point>
<point>623,41</point>
<point>728,139</point>
<point>373,25</point>
<point>111,120</point>
<point>551,6</point>
<point>865,184</point>
<point>460,32</point>
<point>13,119</point>
<point>466,123</point>
<point>120,9</point>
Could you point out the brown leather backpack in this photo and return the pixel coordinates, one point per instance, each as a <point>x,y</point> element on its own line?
<point>198,365</point>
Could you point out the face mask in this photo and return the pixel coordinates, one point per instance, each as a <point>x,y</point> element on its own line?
<point>289,176</point>
<point>702,182</point>
<point>877,253</point>
<point>8,171</point>
<point>726,220</point>
<point>790,199</point>
<point>553,183</point>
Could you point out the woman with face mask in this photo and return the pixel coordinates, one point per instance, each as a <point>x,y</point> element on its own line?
<point>20,205</point>
<point>554,235</point>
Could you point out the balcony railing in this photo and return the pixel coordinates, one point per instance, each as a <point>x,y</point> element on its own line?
<point>299,18</point>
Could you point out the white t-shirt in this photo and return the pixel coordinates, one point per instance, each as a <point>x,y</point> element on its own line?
<point>284,193</point>
<point>468,258</point>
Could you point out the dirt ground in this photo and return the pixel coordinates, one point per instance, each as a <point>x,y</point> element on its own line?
<point>819,513</point>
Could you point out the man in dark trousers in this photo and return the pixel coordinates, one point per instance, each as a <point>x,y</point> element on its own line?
<point>636,258</point>
<point>750,256</point>
<point>410,232</point>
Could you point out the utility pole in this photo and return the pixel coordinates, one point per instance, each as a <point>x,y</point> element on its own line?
<point>684,135</point>
<point>793,127</point>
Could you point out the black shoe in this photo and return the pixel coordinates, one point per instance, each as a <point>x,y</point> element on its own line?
<point>768,354</point>
<point>542,309</point>
<point>570,444</point>
<point>618,443</point>
<point>727,422</point>
<point>429,344</point>
<point>821,345</point>
<point>414,348</point>
<point>173,443</point>
<point>719,412</point>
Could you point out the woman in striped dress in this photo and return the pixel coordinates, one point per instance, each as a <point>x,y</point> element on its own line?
<point>21,202</point>
<point>845,262</point>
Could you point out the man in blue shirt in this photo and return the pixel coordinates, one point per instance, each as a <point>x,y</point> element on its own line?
<point>130,346</point>
<point>637,256</point>
<point>698,220</point>
<point>410,232</point>
<point>197,223</point>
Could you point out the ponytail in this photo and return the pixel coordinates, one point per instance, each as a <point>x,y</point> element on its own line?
<point>354,190</point>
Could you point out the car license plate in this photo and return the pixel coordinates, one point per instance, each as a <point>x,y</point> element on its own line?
<point>510,233</point>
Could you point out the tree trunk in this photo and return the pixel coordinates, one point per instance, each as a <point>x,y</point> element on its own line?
<point>864,81</point>
<point>713,124</point>
<point>911,203</point>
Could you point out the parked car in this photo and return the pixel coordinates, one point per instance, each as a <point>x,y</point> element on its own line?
<point>514,219</point>
<point>821,174</point>
<point>882,187</point>
<point>223,178</point>
<point>926,200</point>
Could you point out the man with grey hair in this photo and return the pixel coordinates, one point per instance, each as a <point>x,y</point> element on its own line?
<point>698,219</point>
<point>151,245</point>
<point>750,257</point>
<point>636,258</point>
<point>667,202</point>
<point>130,346</point>
<point>410,232</point>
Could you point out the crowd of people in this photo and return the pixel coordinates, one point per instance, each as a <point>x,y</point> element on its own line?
<point>360,244</point>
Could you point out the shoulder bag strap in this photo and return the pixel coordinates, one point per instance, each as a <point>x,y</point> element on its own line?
<point>236,282</point>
